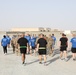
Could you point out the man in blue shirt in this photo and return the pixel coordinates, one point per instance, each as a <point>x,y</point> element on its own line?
<point>33,44</point>
<point>53,45</point>
<point>4,43</point>
<point>9,40</point>
<point>73,49</point>
<point>54,38</point>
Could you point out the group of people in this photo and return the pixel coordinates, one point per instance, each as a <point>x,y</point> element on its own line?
<point>41,44</point>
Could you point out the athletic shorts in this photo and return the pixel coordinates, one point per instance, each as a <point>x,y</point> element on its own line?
<point>63,48</point>
<point>42,51</point>
<point>23,50</point>
<point>73,50</point>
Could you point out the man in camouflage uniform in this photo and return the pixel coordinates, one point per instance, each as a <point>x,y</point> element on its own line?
<point>15,46</point>
<point>13,43</point>
<point>49,45</point>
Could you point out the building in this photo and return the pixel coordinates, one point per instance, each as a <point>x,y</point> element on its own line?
<point>31,29</point>
<point>25,29</point>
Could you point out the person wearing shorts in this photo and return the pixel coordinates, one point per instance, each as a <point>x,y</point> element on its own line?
<point>23,43</point>
<point>27,36</point>
<point>73,48</point>
<point>41,46</point>
<point>63,47</point>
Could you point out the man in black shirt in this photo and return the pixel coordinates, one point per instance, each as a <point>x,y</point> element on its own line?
<point>63,47</point>
<point>23,43</point>
<point>41,46</point>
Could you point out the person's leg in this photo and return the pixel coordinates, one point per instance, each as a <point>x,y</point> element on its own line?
<point>50,50</point>
<point>30,50</point>
<point>40,58</point>
<point>44,58</point>
<point>13,49</point>
<point>34,51</point>
<point>61,54</point>
<point>23,58</point>
<point>75,55</point>
<point>65,55</point>
<point>4,49</point>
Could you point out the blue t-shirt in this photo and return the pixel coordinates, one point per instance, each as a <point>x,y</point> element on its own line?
<point>4,42</point>
<point>54,38</point>
<point>73,41</point>
<point>33,40</point>
<point>9,39</point>
<point>28,38</point>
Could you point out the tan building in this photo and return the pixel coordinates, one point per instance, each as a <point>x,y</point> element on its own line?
<point>31,29</point>
<point>25,29</point>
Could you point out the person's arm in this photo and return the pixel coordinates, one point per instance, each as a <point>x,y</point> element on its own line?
<point>1,42</point>
<point>27,45</point>
<point>70,45</point>
<point>17,44</point>
<point>37,47</point>
<point>59,44</point>
<point>67,42</point>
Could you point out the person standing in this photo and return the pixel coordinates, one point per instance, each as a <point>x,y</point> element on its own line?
<point>33,45</point>
<point>27,36</point>
<point>54,42</point>
<point>13,43</point>
<point>4,43</point>
<point>63,47</point>
<point>73,49</point>
<point>9,40</point>
<point>23,43</point>
<point>49,45</point>
<point>41,47</point>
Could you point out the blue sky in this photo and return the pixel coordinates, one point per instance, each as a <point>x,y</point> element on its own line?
<point>59,14</point>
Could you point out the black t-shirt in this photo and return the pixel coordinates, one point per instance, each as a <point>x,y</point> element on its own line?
<point>22,41</point>
<point>42,42</point>
<point>64,41</point>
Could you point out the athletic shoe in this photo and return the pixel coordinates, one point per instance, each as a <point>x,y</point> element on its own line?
<point>61,58</point>
<point>5,53</point>
<point>66,59</point>
<point>23,62</point>
<point>40,62</point>
<point>44,63</point>
<point>74,59</point>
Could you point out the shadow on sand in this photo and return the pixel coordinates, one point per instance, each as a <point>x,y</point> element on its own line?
<point>52,60</point>
<point>31,62</point>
